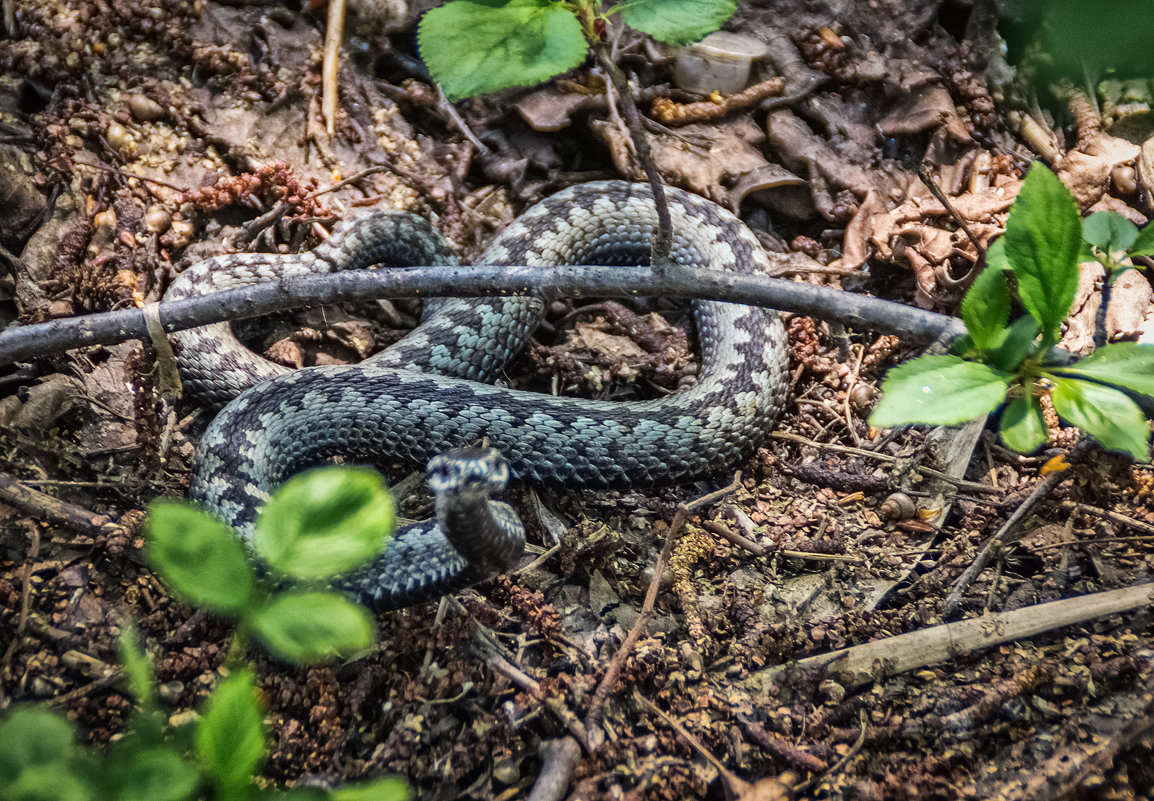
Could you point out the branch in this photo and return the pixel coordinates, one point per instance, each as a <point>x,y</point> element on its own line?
<point>862,664</point>
<point>663,240</point>
<point>854,311</point>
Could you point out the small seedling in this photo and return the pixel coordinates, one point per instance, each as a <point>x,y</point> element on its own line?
<point>1114,242</point>
<point>1044,242</point>
<point>476,46</point>
<point>318,525</point>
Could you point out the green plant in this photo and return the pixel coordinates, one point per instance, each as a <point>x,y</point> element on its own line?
<point>477,46</point>
<point>317,525</point>
<point>1114,241</point>
<point>1039,255</point>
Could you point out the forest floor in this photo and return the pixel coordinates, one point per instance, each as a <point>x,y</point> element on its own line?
<point>140,137</point>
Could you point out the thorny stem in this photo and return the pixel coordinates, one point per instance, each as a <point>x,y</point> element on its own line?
<point>662,242</point>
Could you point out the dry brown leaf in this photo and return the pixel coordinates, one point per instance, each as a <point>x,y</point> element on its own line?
<point>923,111</point>
<point>552,109</point>
<point>1086,173</point>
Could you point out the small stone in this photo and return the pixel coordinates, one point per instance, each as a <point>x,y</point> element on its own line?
<point>144,108</point>
<point>833,692</point>
<point>507,772</point>
<point>60,308</point>
<point>157,219</point>
<point>170,691</point>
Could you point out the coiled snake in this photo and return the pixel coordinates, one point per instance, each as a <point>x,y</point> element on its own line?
<point>427,396</point>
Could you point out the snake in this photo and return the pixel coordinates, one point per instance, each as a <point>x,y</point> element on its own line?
<point>429,399</point>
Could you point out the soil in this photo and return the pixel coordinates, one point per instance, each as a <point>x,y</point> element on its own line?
<point>138,138</point>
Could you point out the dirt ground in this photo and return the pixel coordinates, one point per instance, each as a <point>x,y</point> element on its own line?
<point>140,137</point>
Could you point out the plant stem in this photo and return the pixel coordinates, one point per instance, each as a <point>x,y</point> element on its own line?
<point>659,250</point>
<point>238,647</point>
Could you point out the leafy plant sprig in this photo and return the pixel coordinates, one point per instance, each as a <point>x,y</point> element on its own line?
<point>1044,242</point>
<point>318,525</point>
<point>1114,242</point>
<point>476,46</point>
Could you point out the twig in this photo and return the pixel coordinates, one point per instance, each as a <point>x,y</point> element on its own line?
<point>25,602</point>
<point>109,679</point>
<point>781,748</point>
<point>862,664</point>
<point>334,30</point>
<point>972,486</point>
<point>841,763</point>
<point>742,542</point>
<point>450,111</point>
<point>558,761</point>
<point>1066,772</point>
<point>1129,522</point>
<point>17,343</point>
<point>928,179</point>
<point>953,601</point>
<point>123,174</point>
<point>490,649</point>
<point>352,179</point>
<point>737,786</point>
<point>617,663</point>
<point>663,240</point>
<point>45,507</point>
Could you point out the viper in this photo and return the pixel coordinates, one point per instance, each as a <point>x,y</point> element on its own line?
<point>428,399</point>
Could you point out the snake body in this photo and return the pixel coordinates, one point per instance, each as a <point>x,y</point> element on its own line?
<point>427,395</point>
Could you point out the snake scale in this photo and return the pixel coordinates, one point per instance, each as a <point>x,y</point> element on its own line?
<point>428,398</point>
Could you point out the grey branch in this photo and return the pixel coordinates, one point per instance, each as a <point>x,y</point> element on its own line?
<point>854,311</point>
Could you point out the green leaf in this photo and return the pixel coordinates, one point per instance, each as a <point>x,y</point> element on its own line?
<point>199,556</point>
<point>324,522</point>
<point>996,256</point>
<point>1124,364</point>
<point>986,308</point>
<point>1022,426</point>
<point>155,774</point>
<point>305,627</point>
<point>230,740</point>
<point>1043,238</point>
<point>940,390</point>
<point>1144,244</point>
<point>390,788</point>
<point>1015,344</point>
<point>1109,231</point>
<point>30,736</point>
<point>137,666</point>
<point>1105,414</point>
<point>47,783</point>
<point>964,346</point>
<point>677,22</point>
<point>477,46</point>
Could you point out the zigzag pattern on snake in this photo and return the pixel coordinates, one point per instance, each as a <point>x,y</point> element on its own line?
<point>427,394</point>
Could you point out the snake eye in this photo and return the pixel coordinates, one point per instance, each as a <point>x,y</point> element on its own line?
<point>468,470</point>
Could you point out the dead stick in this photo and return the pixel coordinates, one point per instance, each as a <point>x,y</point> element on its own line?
<point>617,664</point>
<point>663,240</point>
<point>46,507</point>
<point>857,311</point>
<point>559,759</point>
<point>862,664</point>
<point>25,603</point>
<point>953,601</point>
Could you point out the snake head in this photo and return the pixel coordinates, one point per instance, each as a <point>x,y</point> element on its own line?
<point>468,471</point>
